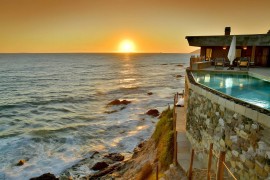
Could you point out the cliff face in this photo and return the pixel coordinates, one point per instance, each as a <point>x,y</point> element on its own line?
<point>143,162</point>
<point>158,150</point>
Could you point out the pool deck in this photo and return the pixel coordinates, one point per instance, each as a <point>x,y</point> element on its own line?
<point>263,72</point>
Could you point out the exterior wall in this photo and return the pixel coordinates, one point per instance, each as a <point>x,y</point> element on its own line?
<point>260,58</point>
<point>240,131</point>
<point>218,51</point>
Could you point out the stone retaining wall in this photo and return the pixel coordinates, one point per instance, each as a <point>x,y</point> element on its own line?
<point>242,132</point>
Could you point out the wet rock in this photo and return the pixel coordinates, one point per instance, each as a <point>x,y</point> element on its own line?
<point>178,76</point>
<point>110,112</point>
<point>99,166</point>
<point>122,131</point>
<point>21,162</point>
<point>115,156</point>
<point>47,176</point>
<point>138,149</point>
<point>104,172</point>
<point>118,102</point>
<point>125,102</point>
<point>94,153</point>
<point>153,112</point>
<point>122,108</point>
<point>149,93</point>
<point>115,102</point>
<point>141,144</point>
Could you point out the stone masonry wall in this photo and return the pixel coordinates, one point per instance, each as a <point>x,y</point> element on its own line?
<point>246,141</point>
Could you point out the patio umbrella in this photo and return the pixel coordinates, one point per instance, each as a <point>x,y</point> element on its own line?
<point>232,50</point>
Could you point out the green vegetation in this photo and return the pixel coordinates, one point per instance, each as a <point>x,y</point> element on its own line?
<point>164,138</point>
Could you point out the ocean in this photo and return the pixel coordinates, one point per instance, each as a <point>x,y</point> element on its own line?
<point>53,107</point>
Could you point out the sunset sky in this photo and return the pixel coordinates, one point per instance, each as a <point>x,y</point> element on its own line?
<point>101,25</point>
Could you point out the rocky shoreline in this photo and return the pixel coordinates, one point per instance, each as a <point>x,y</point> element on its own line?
<point>113,165</point>
<point>140,164</point>
<point>108,166</point>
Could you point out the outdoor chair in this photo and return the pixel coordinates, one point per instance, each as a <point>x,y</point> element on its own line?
<point>244,62</point>
<point>227,62</point>
<point>219,62</point>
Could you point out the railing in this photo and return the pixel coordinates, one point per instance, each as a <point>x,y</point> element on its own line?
<point>221,165</point>
<point>174,130</point>
<point>176,98</point>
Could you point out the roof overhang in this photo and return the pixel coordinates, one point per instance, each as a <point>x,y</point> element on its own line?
<point>225,40</point>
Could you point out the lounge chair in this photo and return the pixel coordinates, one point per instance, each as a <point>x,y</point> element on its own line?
<point>219,62</point>
<point>244,62</point>
<point>227,62</point>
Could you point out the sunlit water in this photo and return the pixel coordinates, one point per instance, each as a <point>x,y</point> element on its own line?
<point>252,90</point>
<point>53,106</point>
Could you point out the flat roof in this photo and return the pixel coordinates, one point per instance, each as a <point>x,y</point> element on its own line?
<point>225,40</point>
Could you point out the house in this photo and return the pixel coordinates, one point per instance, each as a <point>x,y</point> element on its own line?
<point>255,46</point>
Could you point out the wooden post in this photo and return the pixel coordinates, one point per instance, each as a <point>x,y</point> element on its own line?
<point>220,172</point>
<point>157,172</point>
<point>175,148</point>
<point>174,133</point>
<point>191,164</point>
<point>209,161</point>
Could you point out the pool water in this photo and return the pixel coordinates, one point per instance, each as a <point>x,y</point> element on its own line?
<point>241,86</point>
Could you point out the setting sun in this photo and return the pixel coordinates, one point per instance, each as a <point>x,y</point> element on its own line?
<point>126,46</point>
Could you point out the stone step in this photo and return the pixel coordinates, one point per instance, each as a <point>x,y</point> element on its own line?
<point>183,146</point>
<point>184,162</point>
<point>174,172</point>
<point>181,136</point>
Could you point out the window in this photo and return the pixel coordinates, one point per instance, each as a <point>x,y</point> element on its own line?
<point>208,54</point>
<point>238,53</point>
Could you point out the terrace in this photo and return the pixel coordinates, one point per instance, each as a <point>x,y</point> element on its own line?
<point>226,123</point>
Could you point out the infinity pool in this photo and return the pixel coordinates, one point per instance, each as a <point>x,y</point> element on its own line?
<point>241,86</point>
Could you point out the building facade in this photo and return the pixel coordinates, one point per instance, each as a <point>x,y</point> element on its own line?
<point>255,46</point>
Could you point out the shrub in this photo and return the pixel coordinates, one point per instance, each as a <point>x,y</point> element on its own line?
<point>164,138</point>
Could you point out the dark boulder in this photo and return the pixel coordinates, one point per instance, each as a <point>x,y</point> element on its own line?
<point>115,102</point>
<point>99,166</point>
<point>125,102</point>
<point>118,102</point>
<point>150,93</point>
<point>47,176</point>
<point>21,162</point>
<point>115,156</point>
<point>153,112</point>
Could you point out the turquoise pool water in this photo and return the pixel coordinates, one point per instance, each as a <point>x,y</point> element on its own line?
<point>244,87</point>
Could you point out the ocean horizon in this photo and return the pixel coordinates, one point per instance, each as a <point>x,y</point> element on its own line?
<point>54,112</point>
